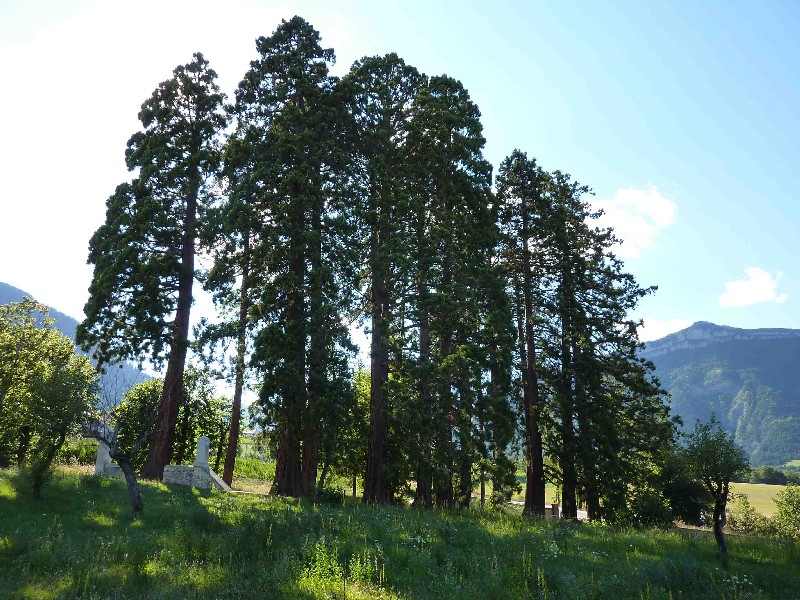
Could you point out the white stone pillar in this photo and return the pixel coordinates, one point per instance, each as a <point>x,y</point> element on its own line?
<point>103,458</point>
<point>201,459</point>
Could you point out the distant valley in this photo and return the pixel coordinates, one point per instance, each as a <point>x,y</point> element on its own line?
<point>749,378</point>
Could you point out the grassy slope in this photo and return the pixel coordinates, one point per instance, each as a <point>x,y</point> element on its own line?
<point>79,542</point>
<point>760,495</point>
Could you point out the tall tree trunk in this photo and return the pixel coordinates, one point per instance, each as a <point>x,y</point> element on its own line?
<point>443,491</point>
<point>465,481</point>
<point>288,482</point>
<point>569,504</point>
<point>316,359</point>
<point>586,454</point>
<point>423,495</point>
<point>535,485</point>
<point>160,451</point>
<point>241,343</point>
<point>376,483</point>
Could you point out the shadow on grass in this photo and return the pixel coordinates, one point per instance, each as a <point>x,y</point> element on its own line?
<point>80,541</point>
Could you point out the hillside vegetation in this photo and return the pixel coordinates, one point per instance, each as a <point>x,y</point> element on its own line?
<point>747,378</point>
<point>79,542</point>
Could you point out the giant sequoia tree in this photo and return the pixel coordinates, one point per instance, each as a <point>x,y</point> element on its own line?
<point>287,122</point>
<point>380,92</point>
<point>144,254</point>
<point>520,195</point>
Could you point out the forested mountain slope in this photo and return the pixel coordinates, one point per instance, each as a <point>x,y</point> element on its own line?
<point>749,378</point>
<point>116,380</point>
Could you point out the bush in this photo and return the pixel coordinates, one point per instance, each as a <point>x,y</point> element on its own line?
<point>79,450</point>
<point>746,519</point>
<point>787,519</point>
<point>328,495</point>
<point>254,468</point>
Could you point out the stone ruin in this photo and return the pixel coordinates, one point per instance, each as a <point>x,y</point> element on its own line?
<point>199,475</point>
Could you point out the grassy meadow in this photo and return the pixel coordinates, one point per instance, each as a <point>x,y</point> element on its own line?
<point>79,541</point>
<point>760,495</point>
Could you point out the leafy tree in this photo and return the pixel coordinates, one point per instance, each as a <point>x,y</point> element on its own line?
<point>141,292</point>
<point>61,393</point>
<point>24,335</point>
<point>714,459</point>
<point>45,389</point>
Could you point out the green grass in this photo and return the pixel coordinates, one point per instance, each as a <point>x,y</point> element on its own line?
<point>793,463</point>
<point>760,495</point>
<point>79,541</point>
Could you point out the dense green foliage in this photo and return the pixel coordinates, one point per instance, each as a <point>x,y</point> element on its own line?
<point>78,542</point>
<point>114,380</point>
<point>202,413</point>
<point>46,389</point>
<point>496,317</point>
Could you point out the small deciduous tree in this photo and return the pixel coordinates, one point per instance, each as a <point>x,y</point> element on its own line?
<point>45,389</point>
<point>714,459</point>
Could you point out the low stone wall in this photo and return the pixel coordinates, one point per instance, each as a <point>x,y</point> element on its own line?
<point>198,475</point>
<point>178,474</point>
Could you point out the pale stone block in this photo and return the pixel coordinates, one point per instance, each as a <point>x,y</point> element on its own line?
<point>201,459</point>
<point>103,458</point>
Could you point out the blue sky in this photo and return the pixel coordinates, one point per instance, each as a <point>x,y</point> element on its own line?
<point>682,116</point>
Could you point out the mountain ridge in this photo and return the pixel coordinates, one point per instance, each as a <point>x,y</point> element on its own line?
<point>747,378</point>
<point>703,333</point>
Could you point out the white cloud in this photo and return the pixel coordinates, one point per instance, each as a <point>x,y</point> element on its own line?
<point>759,287</point>
<point>655,329</point>
<point>636,216</point>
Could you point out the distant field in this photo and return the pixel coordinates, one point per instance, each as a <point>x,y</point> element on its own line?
<point>793,463</point>
<point>760,495</point>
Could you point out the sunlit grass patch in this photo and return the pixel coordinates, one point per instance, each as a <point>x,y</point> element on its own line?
<point>81,542</point>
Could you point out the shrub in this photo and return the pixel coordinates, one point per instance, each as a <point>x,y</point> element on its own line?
<point>787,519</point>
<point>254,468</point>
<point>79,450</point>
<point>328,495</point>
<point>746,519</point>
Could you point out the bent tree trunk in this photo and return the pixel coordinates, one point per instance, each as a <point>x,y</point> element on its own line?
<point>160,451</point>
<point>719,524</point>
<point>137,505</point>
